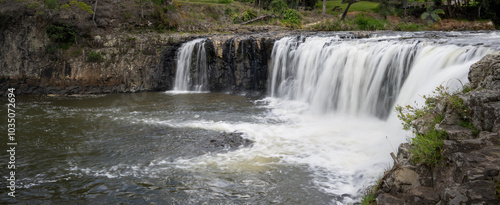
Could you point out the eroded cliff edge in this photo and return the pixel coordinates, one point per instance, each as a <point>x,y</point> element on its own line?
<point>35,61</point>
<point>126,63</point>
<point>469,172</point>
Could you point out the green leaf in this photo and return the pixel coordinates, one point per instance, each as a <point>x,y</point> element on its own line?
<point>424,16</point>
<point>439,11</point>
<point>435,17</point>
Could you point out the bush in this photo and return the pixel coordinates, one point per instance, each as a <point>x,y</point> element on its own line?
<point>431,15</point>
<point>368,23</point>
<point>427,147</point>
<point>94,57</point>
<point>236,18</point>
<point>61,33</point>
<point>164,19</point>
<point>249,15</point>
<point>292,18</point>
<point>409,27</point>
<point>52,4</point>
<point>278,6</point>
<point>159,2</point>
<point>224,1</point>
<point>80,5</point>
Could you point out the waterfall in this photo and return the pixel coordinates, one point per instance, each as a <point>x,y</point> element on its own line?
<point>361,77</point>
<point>330,107</point>
<point>191,74</point>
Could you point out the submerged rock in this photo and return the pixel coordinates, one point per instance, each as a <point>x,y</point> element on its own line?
<point>225,141</point>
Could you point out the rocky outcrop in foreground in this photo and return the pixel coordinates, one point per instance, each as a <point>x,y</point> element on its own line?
<point>470,170</point>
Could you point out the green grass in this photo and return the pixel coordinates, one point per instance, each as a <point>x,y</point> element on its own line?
<point>427,148</point>
<point>360,6</point>
<point>368,199</point>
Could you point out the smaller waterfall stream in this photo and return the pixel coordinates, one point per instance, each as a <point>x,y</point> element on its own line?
<point>191,74</point>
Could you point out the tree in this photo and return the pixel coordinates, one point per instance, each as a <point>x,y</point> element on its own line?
<point>350,2</point>
<point>95,9</point>
<point>385,9</point>
<point>324,7</point>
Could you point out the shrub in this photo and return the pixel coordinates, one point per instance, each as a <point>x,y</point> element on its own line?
<point>249,15</point>
<point>292,18</point>
<point>427,147</point>
<point>159,2</point>
<point>278,6</point>
<point>409,27</point>
<point>224,1</point>
<point>430,15</point>
<point>164,19</point>
<point>228,11</point>
<point>236,18</point>
<point>368,23</point>
<point>94,57</point>
<point>80,5</point>
<point>61,33</point>
<point>52,4</point>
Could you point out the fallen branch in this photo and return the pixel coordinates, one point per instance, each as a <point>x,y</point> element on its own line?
<point>259,18</point>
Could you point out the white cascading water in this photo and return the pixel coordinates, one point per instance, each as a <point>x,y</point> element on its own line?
<point>355,77</point>
<point>332,108</point>
<point>191,74</point>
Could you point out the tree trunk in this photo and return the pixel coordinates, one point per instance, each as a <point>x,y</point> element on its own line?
<point>95,10</point>
<point>346,9</point>
<point>142,11</point>
<point>324,8</point>
<point>449,8</point>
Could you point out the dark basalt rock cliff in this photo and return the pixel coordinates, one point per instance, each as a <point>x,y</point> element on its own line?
<point>470,171</point>
<point>239,63</point>
<point>130,62</point>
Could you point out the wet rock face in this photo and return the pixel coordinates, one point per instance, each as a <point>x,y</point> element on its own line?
<point>470,171</point>
<point>238,63</point>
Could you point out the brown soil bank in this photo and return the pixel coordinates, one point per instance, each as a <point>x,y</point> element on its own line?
<point>454,25</point>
